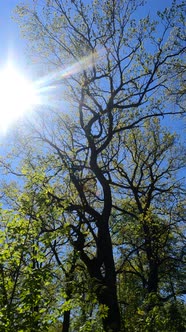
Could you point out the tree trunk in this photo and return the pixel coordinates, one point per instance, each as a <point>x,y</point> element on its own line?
<point>102,271</point>
<point>66,321</point>
<point>153,278</point>
<point>108,295</point>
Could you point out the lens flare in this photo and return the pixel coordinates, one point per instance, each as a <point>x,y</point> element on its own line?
<point>17,96</point>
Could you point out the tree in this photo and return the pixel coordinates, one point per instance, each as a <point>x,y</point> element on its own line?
<point>23,303</point>
<point>50,281</point>
<point>150,240</point>
<point>146,174</point>
<point>117,71</point>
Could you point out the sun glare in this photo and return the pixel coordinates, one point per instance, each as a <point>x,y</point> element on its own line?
<point>17,96</point>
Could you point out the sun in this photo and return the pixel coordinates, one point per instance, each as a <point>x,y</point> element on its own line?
<point>17,96</point>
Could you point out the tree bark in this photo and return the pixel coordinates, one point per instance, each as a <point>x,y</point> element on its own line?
<point>66,321</point>
<point>104,283</point>
<point>153,278</point>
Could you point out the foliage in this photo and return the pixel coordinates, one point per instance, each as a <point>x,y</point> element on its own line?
<point>98,195</point>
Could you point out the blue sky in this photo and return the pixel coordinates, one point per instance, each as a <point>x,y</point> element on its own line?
<point>12,45</point>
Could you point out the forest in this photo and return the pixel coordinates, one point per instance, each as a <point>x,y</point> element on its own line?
<point>92,235</point>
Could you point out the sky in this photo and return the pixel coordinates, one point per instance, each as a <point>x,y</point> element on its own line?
<point>11,43</point>
<point>13,46</point>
